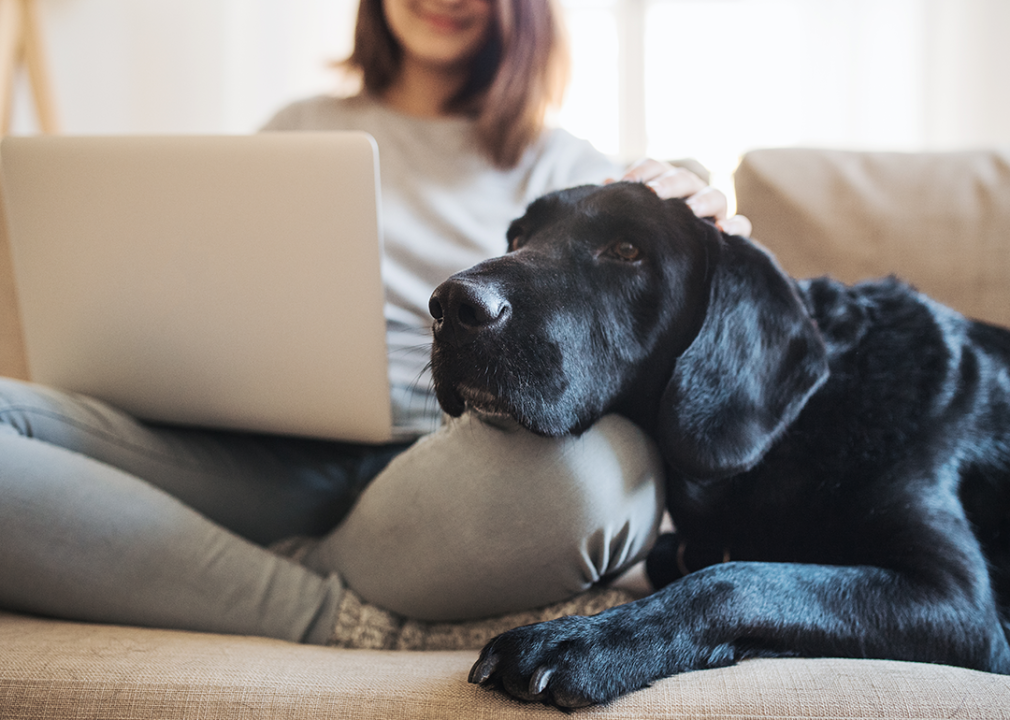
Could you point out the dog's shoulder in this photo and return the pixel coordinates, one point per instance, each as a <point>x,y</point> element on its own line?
<point>993,338</point>
<point>885,312</point>
<point>906,370</point>
<point>884,335</point>
<point>887,323</point>
<point>894,356</point>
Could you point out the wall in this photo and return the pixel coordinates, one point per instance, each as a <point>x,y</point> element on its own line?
<point>968,66</point>
<point>721,76</point>
<point>186,66</point>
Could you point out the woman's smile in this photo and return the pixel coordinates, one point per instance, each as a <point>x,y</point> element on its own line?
<point>439,32</point>
<point>444,22</point>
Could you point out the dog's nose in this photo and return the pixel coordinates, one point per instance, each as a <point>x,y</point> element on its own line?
<point>462,310</point>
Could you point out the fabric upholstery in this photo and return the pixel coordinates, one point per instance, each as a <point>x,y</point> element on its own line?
<point>53,669</point>
<point>12,351</point>
<point>940,221</point>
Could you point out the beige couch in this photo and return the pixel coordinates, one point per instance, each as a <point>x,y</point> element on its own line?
<point>942,221</point>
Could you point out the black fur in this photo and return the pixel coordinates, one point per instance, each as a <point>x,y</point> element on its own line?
<point>848,448</point>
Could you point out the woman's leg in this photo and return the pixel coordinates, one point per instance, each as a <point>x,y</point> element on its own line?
<point>484,518</point>
<point>262,487</point>
<point>476,520</point>
<point>83,537</point>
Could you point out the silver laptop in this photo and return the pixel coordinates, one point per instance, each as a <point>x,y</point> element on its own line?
<point>227,282</point>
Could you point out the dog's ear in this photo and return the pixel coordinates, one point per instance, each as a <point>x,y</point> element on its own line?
<point>752,367</point>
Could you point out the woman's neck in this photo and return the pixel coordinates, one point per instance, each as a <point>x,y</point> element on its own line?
<point>424,90</point>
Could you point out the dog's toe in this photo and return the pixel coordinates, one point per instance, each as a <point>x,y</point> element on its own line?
<point>485,666</point>
<point>538,683</point>
<point>549,663</point>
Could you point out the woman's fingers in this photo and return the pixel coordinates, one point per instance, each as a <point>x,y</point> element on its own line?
<point>668,181</point>
<point>712,203</point>
<point>646,169</point>
<point>736,225</point>
<point>709,203</point>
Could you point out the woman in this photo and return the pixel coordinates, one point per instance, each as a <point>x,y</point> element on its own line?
<point>105,518</point>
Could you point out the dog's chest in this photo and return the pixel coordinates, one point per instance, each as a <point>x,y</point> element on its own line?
<point>767,516</point>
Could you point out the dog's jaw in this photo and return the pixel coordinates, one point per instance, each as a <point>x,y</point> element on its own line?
<point>463,397</point>
<point>493,376</point>
<point>483,402</point>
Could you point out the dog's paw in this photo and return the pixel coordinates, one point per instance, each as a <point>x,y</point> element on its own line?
<point>567,662</point>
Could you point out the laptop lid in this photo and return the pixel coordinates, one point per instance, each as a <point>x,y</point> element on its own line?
<point>229,282</point>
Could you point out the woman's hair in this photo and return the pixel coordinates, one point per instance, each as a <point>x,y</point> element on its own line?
<point>520,72</point>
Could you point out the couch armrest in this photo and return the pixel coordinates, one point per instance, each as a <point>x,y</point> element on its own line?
<point>940,221</point>
<point>12,350</point>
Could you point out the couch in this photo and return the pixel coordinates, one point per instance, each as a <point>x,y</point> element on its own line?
<point>939,220</point>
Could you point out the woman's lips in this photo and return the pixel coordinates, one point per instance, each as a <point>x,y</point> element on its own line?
<point>444,23</point>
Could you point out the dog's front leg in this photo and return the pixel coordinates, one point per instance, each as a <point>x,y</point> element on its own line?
<point>725,613</point>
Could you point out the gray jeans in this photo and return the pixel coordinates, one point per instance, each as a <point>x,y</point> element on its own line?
<point>108,519</point>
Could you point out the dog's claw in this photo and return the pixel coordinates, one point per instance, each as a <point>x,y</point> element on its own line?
<point>483,669</point>
<point>542,676</point>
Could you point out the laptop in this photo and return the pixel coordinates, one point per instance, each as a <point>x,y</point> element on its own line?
<point>225,282</point>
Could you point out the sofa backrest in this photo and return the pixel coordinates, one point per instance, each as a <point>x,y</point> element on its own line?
<point>940,221</point>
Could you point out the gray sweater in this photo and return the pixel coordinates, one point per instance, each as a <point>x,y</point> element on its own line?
<point>445,207</point>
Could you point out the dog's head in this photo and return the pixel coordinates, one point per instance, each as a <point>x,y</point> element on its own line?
<point>613,300</point>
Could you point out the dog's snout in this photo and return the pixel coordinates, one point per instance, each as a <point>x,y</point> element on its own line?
<point>463,309</point>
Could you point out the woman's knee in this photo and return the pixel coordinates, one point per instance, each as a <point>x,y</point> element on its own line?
<point>23,406</point>
<point>68,420</point>
<point>484,518</point>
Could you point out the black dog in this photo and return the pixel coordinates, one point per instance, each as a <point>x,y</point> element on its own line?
<point>847,449</point>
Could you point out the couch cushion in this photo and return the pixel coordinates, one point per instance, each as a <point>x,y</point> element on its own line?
<point>57,669</point>
<point>938,220</point>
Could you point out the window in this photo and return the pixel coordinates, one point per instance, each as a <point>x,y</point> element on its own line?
<point>710,79</point>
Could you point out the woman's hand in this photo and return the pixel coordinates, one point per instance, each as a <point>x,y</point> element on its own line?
<point>668,181</point>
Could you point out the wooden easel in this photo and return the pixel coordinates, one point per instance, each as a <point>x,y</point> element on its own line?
<point>21,42</point>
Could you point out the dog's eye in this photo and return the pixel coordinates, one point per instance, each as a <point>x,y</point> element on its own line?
<point>516,236</point>
<point>625,250</point>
